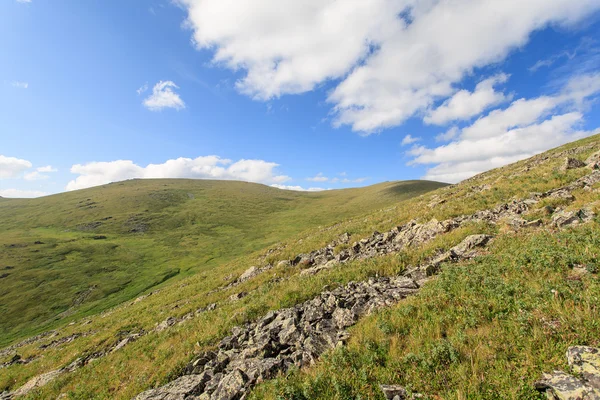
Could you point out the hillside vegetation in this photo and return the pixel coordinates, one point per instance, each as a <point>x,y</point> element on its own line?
<point>78,253</point>
<point>484,326</point>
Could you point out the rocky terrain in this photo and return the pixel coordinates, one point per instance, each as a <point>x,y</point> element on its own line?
<point>296,337</point>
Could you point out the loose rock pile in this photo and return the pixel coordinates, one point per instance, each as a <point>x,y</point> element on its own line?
<point>295,336</point>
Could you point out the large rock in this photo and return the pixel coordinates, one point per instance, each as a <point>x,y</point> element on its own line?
<point>572,163</point>
<point>584,384</point>
<point>180,389</point>
<point>231,386</point>
<point>585,362</point>
<point>466,247</point>
<point>564,218</point>
<point>561,386</point>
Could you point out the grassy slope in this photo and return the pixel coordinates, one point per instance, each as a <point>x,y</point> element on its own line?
<point>156,230</point>
<point>483,329</point>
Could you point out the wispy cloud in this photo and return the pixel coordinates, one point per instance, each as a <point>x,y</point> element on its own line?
<point>318,178</point>
<point>298,188</point>
<point>19,85</point>
<point>40,173</point>
<point>409,139</point>
<point>142,89</point>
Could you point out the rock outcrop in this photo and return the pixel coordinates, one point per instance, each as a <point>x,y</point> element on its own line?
<point>295,336</point>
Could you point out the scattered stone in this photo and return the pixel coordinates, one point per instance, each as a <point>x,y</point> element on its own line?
<point>593,161</point>
<point>394,392</point>
<point>249,273</point>
<point>165,324</point>
<point>98,237</point>
<point>238,296</point>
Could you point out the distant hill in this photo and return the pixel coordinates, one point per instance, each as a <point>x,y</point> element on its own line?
<point>80,252</point>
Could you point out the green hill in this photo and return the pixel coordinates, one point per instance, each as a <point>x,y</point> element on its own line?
<point>78,253</point>
<point>482,326</point>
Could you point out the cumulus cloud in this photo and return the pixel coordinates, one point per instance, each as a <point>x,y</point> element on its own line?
<point>526,127</point>
<point>297,188</point>
<point>464,104</point>
<point>19,85</point>
<point>409,139</point>
<point>206,167</point>
<point>18,193</point>
<point>12,167</point>
<point>163,96</point>
<point>393,58</point>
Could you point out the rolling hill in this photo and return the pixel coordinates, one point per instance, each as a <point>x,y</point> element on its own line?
<point>467,291</point>
<point>78,253</point>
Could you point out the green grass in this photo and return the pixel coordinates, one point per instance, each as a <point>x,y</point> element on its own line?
<point>99,247</point>
<point>482,329</point>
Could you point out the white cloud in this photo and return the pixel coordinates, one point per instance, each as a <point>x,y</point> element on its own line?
<point>11,167</point>
<point>47,168</point>
<point>163,97</point>
<point>18,193</point>
<point>409,139</point>
<point>448,135</point>
<point>465,105</point>
<point>142,89</point>
<point>207,167</point>
<point>318,178</point>
<point>297,188</point>
<point>525,128</point>
<point>289,46</point>
<point>35,176</point>
<point>23,1</point>
<point>19,85</point>
<point>38,174</point>
<point>390,67</point>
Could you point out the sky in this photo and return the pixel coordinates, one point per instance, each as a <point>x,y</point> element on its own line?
<point>300,95</point>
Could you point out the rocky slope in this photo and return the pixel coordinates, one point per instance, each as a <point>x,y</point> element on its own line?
<point>295,337</point>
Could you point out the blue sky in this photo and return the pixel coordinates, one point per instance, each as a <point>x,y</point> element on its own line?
<point>312,94</point>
